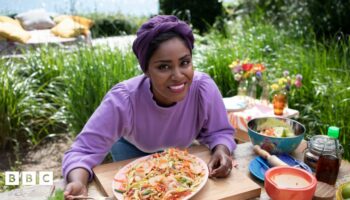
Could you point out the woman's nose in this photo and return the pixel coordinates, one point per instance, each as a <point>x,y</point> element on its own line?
<point>176,73</point>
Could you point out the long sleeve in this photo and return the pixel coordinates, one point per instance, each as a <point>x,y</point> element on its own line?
<point>109,122</point>
<point>216,127</point>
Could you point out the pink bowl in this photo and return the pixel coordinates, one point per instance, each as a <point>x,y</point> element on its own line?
<point>289,183</point>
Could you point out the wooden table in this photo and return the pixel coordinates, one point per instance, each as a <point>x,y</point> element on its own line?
<point>243,155</point>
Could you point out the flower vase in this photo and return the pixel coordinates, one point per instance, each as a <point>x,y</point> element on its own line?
<point>265,95</point>
<point>251,91</point>
<point>242,88</point>
<point>279,102</point>
<point>252,88</point>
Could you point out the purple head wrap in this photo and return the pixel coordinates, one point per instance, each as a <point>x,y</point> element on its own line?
<point>155,26</point>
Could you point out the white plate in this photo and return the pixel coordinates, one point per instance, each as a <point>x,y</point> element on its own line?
<point>235,103</point>
<point>126,168</point>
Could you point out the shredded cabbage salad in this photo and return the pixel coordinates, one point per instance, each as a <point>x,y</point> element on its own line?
<point>172,174</point>
<point>275,128</point>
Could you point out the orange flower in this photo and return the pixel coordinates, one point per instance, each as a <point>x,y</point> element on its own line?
<point>259,67</point>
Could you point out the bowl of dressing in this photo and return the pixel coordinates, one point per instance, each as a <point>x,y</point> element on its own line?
<point>285,182</point>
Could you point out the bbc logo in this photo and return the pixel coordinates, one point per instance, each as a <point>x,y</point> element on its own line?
<point>28,178</point>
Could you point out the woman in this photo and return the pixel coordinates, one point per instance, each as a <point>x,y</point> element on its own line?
<point>169,105</point>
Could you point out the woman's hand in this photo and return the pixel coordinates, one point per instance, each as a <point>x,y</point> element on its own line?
<point>77,183</point>
<point>220,164</point>
<point>75,188</point>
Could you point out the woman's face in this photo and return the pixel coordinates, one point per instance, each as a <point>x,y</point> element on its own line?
<point>170,70</point>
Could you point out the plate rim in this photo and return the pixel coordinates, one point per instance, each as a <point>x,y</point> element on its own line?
<point>119,196</point>
<point>261,177</point>
<point>234,98</point>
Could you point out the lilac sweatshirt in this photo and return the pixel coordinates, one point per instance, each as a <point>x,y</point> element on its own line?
<point>128,110</point>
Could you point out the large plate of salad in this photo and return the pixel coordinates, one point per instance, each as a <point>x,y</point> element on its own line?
<point>172,174</point>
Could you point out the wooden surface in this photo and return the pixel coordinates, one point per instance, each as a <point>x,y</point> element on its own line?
<point>324,191</point>
<point>236,186</point>
<point>242,155</point>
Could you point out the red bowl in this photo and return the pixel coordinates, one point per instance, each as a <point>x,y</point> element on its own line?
<point>289,183</point>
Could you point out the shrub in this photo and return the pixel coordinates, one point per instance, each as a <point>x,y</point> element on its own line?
<point>326,18</point>
<point>201,15</point>
<point>112,27</point>
<point>106,25</point>
<point>330,17</point>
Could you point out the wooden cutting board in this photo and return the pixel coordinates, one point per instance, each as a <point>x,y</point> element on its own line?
<point>236,186</point>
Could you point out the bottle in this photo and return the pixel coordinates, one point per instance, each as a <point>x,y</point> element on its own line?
<point>315,146</point>
<point>329,161</point>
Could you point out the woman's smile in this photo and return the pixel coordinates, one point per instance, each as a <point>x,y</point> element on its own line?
<point>178,88</point>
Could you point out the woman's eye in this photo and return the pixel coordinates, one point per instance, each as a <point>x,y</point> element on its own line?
<point>185,62</point>
<point>163,67</point>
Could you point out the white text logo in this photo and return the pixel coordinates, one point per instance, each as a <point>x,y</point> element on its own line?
<point>28,178</point>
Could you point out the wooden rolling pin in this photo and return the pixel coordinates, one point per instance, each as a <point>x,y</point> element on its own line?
<point>271,159</point>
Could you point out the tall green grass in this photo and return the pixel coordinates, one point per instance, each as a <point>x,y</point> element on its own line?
<point>16,103</point>
<point>324,98</point>
<point>53,91</point>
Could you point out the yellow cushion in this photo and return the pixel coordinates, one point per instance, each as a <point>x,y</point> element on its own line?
<point>13,32</point>
<point>68,28</point>
<point>84,21</point>
<point>81,20</point>
<point>10,20</point>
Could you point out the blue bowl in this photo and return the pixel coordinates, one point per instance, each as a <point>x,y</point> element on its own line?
<point>276,145</point>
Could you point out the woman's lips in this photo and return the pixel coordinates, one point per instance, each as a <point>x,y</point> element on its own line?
<point>177,88</point>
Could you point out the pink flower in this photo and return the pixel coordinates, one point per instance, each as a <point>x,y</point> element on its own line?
<point>298,83</point>
<point>237,69</point>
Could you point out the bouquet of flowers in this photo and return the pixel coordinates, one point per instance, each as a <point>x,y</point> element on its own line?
<point>280,89</point>
<point>244,70</point>
<point>286,82</point>
<point>247,74</point>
